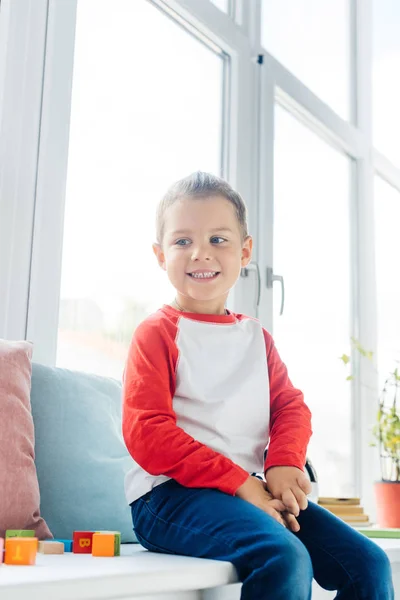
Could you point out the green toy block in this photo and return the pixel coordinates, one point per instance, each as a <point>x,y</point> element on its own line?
<point>117,543</point>
<point>11,533</point>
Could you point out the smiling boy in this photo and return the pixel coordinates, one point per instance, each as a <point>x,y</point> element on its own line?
<point>202,249</point>
<point>205,392</point>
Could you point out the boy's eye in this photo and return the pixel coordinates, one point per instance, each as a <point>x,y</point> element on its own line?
<point>216,239</point>
<point>182,242</point>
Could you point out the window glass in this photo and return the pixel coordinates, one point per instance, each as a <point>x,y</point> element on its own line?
<point>311,38</point>
<point>386,89</point>
<point>312,253</point>
<point>387,219</point>
<point>141,118</point>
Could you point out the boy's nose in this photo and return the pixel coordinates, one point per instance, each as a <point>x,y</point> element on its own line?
<point>201,253</point>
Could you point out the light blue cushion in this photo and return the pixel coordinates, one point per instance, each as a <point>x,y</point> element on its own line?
<point>81,458</point>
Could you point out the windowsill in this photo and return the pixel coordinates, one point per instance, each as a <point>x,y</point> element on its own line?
<point>133,575</point>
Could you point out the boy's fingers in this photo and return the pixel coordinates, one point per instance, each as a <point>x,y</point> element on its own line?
<point>290,501</point>
<point>276,515</point>
<point>304,488</point>
<point>301,498</point>
<point>291,522</point>
<point>305,484</point>
<point>277,505</point>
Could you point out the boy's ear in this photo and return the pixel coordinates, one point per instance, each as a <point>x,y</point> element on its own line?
<point>247,250</point>
<point>158,251</point>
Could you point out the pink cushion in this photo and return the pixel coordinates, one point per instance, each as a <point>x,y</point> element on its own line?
<point>19,488</point>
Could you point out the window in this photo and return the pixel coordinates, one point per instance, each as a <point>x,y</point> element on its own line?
<point>386,91</point>
<point>141,118</point>
<point>311,39</point>
<point>312,252</point>
<point>147,108</point>
<point>387,219</point>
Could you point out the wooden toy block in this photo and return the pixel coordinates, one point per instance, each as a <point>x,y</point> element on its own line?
<point>82,542</point>
<point>21,551</point>
<point>51,547</point>
<point>20,533</point>
<point>67,544</point>
<point>117,541</point>
<point>103,544</point>
<point>1,550</point>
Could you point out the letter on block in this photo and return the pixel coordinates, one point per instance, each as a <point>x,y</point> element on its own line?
<point>20,533</point>
<point>21,551</point>
<point>50,547</point>
<point>103,544</point>
<point>82,542</point>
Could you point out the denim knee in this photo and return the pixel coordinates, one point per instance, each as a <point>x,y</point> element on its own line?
<point>296,563</point>
<point>377,572</point>
<point>285,572</point>
<point>291,570</point>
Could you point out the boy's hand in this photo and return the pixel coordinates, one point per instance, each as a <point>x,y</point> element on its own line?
<point>254,491</point>
<point>291,486</point>
<point>290,520</point>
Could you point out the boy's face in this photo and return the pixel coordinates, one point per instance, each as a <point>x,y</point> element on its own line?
<point>203,252</point>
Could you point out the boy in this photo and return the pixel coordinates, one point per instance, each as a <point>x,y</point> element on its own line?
<point>204,389</point>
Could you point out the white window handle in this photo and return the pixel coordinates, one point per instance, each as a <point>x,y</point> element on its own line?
<point>270,282</point>
<point>244,272</point>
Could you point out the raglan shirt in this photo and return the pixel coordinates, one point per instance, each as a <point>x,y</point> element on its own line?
<point>202,396</point>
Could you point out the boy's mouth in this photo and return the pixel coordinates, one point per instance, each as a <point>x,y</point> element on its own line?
<point>204,275</point>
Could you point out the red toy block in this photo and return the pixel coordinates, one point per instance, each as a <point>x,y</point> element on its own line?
<point>82,542</point>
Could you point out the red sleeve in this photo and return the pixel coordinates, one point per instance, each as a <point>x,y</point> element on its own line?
<point>149,426</point>
<point>290,418</point>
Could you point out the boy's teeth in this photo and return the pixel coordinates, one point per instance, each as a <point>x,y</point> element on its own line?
<point>203,275</point>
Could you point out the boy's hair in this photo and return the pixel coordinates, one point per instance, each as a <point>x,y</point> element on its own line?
<point>201,185</point>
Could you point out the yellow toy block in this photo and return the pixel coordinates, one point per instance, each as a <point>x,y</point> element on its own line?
<point>103,544</point>
<point>117,541</point>
<point>50,547</point>
<point>21,551</point>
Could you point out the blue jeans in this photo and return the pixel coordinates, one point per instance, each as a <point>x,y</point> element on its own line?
<point>272,562</point>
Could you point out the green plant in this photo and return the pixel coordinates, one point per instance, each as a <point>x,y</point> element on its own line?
<point>386,430</point>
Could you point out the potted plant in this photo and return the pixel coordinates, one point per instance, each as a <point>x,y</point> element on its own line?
<point>386,434</point>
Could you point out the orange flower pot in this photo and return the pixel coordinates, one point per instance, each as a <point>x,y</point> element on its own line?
<point>387,494</point>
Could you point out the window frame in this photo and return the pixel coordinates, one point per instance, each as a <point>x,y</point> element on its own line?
<point>22,49</point>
